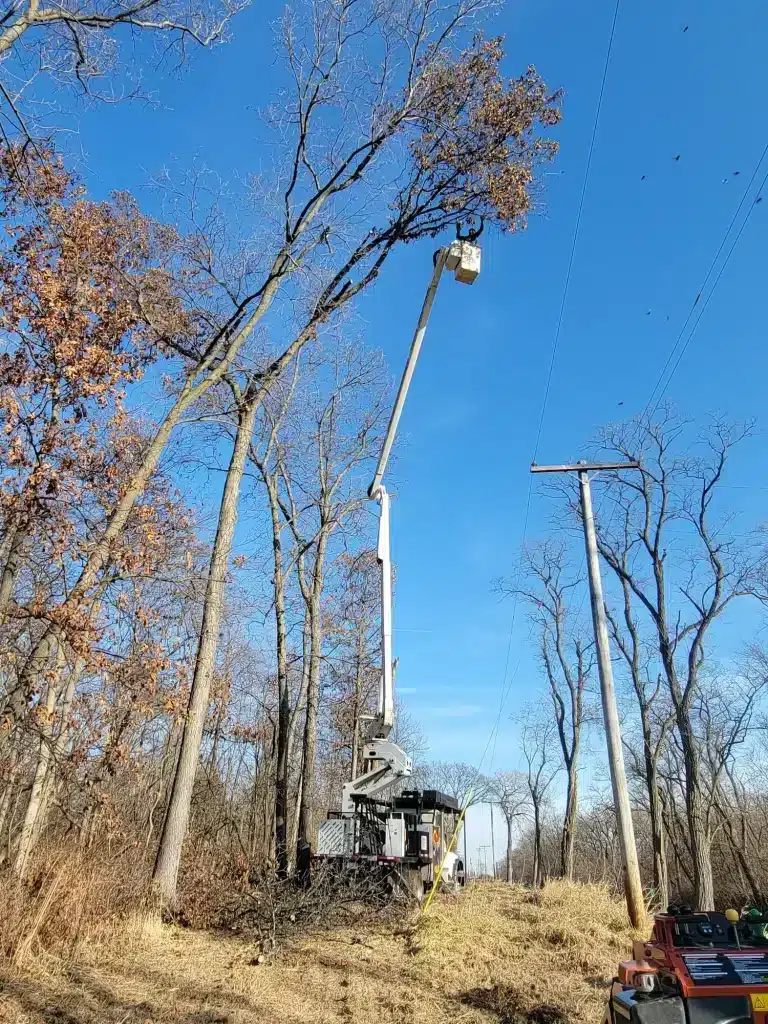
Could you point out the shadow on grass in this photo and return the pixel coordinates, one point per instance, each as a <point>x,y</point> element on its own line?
<point>504,1002</point>
<point>37,1003</point>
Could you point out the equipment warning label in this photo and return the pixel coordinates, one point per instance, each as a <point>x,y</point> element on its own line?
<point>727,969</point>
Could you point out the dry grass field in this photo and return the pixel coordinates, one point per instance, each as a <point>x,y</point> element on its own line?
<point>494,953</point>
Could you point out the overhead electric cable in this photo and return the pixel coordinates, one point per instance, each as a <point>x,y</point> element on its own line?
<point>577,226</point>
<point>696,303</point>
<point>506,685</point>
<point>698,307</point>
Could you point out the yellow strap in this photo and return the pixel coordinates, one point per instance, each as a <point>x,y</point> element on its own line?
<point>454,837</point>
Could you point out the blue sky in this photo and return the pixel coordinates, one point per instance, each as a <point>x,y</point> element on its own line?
<point>461,475</point>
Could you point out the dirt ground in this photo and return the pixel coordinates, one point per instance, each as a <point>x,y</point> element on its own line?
<point>494,953</point>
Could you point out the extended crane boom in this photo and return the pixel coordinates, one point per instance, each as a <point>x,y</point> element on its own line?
<point>463,258</point>
<point>410,831</point>
<point>385,719</point>
<point>390,761</point>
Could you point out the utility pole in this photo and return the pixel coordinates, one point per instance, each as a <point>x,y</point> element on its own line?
<point>493,845</point>
<point>632,885</point>
<point>482,851</point>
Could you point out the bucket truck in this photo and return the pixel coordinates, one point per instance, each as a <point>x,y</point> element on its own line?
<point>409,834</point>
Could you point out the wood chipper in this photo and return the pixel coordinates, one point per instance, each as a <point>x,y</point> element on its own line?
<point>697,968</point>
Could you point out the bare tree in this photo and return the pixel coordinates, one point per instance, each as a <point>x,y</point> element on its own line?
<point>656,719</point>
<point>566,663</point>
<point>322,490</point>
<point>78,45</point>
<point>356,663</point>
<point>509,790</point>
<point>599,841</point>
<point>671,506</point>
<point>726,713</point>
<point>267,455</point>
<point>537,740</point>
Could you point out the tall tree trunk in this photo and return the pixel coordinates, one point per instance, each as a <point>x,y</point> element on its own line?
<point>283,690</point>
<point>537,856</point>
<point>306,805</point>
<point>309,746</point>
<point>568,836</point>
<point>510,848</point>
<point>698,819</point>
<point>296,830</point>
<point>703,883</point>
<point>356,704</point>
<point>658,843</point>
<point>59,745</point>
<point>268,819</point>
<point>35,804</point>
<point>166,869</point>
<point>13,545</point>
<point>214,756</point>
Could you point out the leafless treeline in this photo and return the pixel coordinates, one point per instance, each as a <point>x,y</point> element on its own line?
<point>686,576</point>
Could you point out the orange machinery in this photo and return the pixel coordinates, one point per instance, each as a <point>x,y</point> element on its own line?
<point>697,968</point>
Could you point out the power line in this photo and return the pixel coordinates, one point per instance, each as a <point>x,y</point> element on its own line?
<point>648,410</point>
<point>506,686</point>
<point>696,305</point>
<point>701,310</point>
<point>651,406</point>
<point>574,242</point>
<point>704,305</point>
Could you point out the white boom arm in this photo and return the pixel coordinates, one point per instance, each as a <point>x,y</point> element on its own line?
<point>390,762</point>
<point>382,722</point>
<point>463,258</point>
<point>387,761</point>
